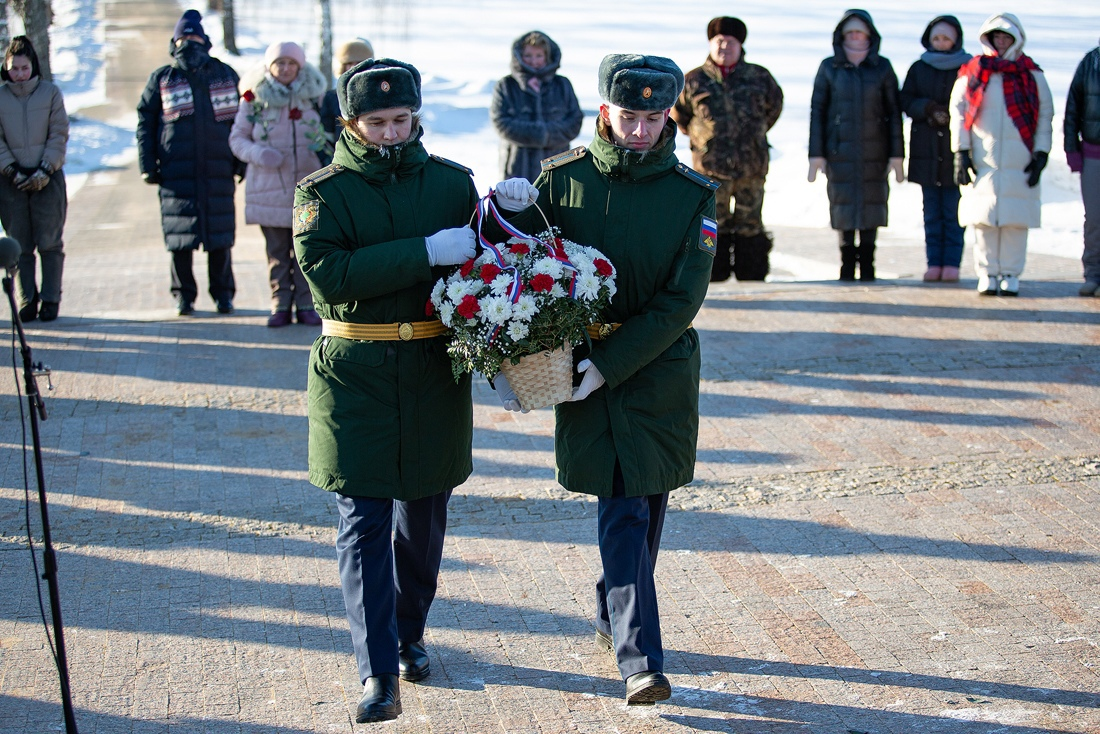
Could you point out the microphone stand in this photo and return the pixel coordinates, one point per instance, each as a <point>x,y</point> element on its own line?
<point>38,408</point>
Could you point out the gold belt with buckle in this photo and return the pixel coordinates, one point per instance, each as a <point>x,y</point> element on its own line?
<point>602,331</point>
<point>406,331</point>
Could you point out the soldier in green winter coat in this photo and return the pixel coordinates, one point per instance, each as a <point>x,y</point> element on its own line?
<point>390,432</point>
<point>628,434</point>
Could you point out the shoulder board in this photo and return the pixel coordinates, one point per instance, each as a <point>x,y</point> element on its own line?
<point>549,164</point>
<point>323,174</point>
<point>695,177</point>
<point>452,164</point>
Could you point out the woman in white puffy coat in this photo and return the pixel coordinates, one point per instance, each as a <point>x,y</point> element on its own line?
<point>1001,112</point>
<point>278,133</point>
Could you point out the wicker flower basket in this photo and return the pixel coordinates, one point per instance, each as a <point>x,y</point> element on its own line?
<point>542,379</point>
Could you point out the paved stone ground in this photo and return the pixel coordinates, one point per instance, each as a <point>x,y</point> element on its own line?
<point>893,527</point>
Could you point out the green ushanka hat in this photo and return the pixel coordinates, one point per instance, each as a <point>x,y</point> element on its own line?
<point>377,84</point>
<point>636,82</point>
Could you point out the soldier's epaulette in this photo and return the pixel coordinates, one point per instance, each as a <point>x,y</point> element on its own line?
<point>323,174</point>
<point>695,177</point>
<point>452,164</point>
<point>549,164</point>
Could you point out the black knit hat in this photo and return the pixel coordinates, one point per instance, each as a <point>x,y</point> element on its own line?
<point>190,24</point>
<point>377,84</point>
<point>727,26</point>
<point>636,82</point>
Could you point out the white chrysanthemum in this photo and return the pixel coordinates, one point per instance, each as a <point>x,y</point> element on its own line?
<point>548,266</point>
<point>525,309</point>
<point>495,309</point>
<point>437,293</point>
<point>501,284</point>
<point>518,330</point>
<point>588,286</point>
<point>611,289</point>
<point>557,291</point>
<point>446,314</point>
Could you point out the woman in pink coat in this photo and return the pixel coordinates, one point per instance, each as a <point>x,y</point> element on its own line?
<point>278,134</point>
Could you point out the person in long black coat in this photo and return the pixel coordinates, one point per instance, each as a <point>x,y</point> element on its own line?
<point>856,138</point>
<point>184,119</point>
<point>924,97</point>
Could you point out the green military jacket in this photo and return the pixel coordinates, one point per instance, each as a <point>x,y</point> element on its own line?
<point>386,418</point>
<point>653,218</point>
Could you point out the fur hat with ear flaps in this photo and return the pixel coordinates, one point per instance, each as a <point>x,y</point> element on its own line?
<point>378,84</point>
<point>636,82</point>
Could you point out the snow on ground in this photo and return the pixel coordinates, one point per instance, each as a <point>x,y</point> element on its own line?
<point>462,47</point>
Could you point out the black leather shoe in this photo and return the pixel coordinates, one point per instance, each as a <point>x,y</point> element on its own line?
<point>381,700</point>
<point>645,689</point>
<point>49,310</point>
<point>225,306</point>
<point>29,312</point>
<point>605,642</point>
<point>412,661</point>
<point>184,307</point>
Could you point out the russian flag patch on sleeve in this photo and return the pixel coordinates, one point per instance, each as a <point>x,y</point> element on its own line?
<point>708,236</point>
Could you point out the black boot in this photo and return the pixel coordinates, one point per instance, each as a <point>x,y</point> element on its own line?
<point>867,254</point>
<point>720,269</point>
<point>381,700</point>
<point>750,256</point>
<point>848,255</point>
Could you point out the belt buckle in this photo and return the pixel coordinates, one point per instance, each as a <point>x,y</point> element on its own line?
<point>405,332</point>
<point>605,330</point>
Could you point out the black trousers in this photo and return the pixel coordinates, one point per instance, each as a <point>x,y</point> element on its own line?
<point>389,553</point>
<point>626,596</point>
<point>219,268</point>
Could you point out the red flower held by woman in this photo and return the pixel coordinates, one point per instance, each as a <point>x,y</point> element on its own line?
<point>249,96</point>
<point>489,271</point>
<point>603,267</point>
<point>542,283</point>
<point>469,307</point>
<point>295,113</point>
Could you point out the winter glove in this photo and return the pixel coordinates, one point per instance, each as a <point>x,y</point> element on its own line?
<point>152,179</point>
<point>516,194</point>
<point>1073,158</point>
<point>896,165</point>
<point>937,114</point>
<point>450,246</point>
<point>817,165</point>
<point>11,172</point>
<point>269,158</point>
<point>18,178</point>
<point>963,167</point>
<point>590,383</point>
<point>1035,168</point>
<point>36,182</point>
<point>507,395</point>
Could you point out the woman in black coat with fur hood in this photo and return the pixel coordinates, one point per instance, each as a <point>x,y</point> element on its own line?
<point>924,97</point>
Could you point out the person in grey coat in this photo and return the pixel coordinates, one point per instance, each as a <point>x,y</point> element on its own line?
<point>34,132</point>
<point>534,109</point>
<point>1082,146</point>
<point>856,138</point>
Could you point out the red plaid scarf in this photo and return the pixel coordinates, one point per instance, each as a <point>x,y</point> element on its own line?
<point>1021,91</point>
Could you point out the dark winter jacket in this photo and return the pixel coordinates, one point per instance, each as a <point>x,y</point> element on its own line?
<point>1083,104</point>
<point>728,119</point>
<point>533,125</point>
<point>924,97</point>
<point>184,119</point>
<point>855,124</point>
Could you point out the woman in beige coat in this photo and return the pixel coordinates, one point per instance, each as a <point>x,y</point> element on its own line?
<point>1001,112</point>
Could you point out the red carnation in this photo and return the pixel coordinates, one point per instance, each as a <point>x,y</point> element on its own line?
<point>429,309</point>
<point>489,271</point>
<point>559,248</point>
<point>467,268</point>
<point>249,96</point>
<point>519,248</point>
<point>542,283</point>
<point>603,267</point>
<point>295,113</point>
<point>469,307</point>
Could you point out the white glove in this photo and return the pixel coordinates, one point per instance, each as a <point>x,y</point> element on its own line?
<point>817,165</point>
<point>507,395</point>
<point>590,383</point>
<point>269,158</point>
<point>516,194</point>
<point>897,168</point>
<point>451,246</point>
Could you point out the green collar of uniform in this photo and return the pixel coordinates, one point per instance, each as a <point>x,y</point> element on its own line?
<point>381,164</point>
<point>631,165</point>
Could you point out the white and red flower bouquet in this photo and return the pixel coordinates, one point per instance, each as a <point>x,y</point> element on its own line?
<point>519,306</point>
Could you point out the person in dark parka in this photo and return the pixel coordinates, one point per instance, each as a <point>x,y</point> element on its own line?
<point>924,97</point>
<point>534,110</point>
<point>184,118</point>
<point>856,138</point>
<point>1082,145</point>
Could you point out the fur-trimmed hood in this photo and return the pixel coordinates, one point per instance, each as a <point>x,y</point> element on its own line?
<point>838,36</point>
<point>521,72</point>
<point>310,84</point>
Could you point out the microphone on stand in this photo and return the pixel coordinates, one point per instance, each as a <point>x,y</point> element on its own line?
<point>9,253</point>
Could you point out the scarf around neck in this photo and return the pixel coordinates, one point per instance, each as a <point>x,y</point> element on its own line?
<point>945,60</point>
<point>1020,89</point>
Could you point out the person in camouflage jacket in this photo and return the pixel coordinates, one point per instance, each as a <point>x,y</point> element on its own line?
<point>727,108</point>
